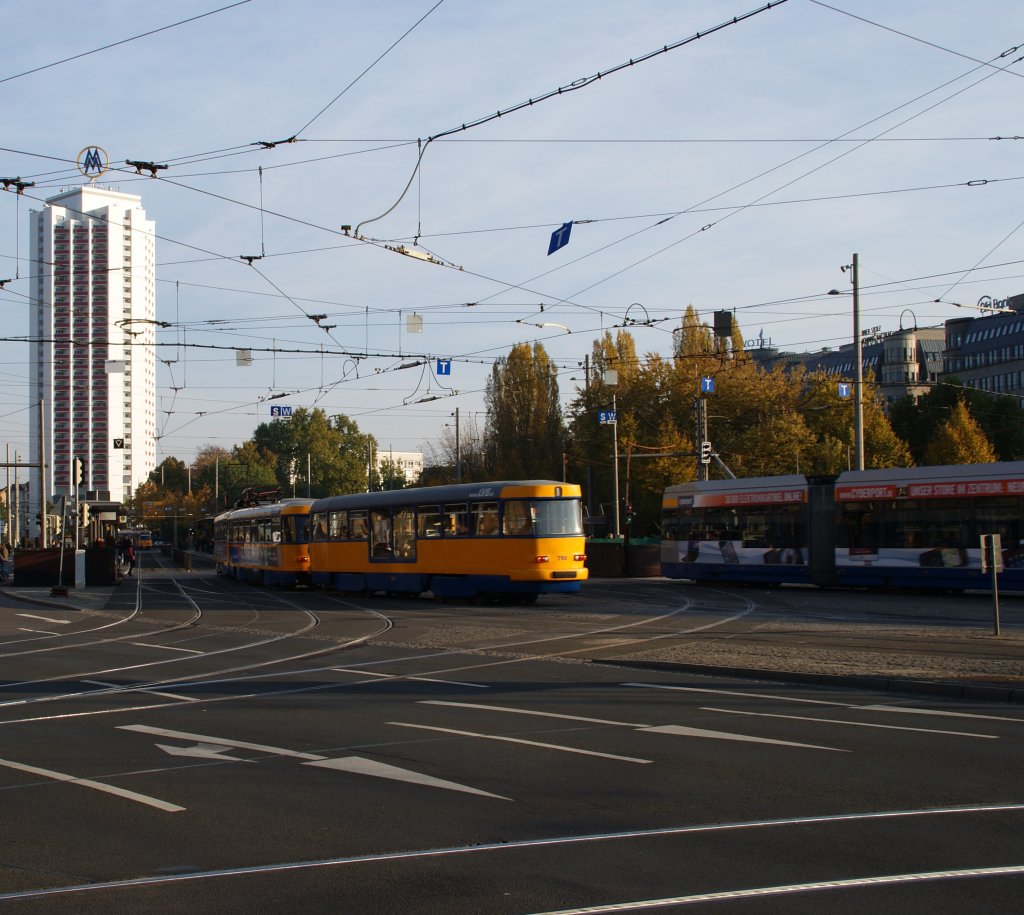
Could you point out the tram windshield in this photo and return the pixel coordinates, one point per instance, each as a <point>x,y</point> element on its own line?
<point>543,518</point>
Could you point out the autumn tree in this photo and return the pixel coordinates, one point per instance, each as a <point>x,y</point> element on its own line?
<point>959,440</point>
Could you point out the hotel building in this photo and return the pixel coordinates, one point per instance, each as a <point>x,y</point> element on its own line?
<point>93,366</point>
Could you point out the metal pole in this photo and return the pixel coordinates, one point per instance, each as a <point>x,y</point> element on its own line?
<point>615,457</point>
<point>858,373</point>
<point>309,473</point>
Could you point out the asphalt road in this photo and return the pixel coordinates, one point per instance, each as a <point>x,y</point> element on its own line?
<point>200,745</point>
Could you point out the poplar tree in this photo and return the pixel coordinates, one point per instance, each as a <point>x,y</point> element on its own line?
<point>524,426</point>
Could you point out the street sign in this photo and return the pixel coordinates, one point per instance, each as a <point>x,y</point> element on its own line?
<point>118,443</point>
<point>707,385</point>
<point>844,389</point>
<point>280,411</point>
<point>559,238</point>
<point>607,417</point>
<point>444,366</point>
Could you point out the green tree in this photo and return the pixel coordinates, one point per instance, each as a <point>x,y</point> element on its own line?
<point>315,454</point>
<point>524,417</point>
<point>1000,417</point>
<point>959,440</point>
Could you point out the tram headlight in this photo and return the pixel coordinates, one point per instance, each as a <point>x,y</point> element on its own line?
<point>542,559</point>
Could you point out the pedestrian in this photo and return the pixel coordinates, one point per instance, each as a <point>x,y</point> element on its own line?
<point>130,556</point>
<point>6,553</point>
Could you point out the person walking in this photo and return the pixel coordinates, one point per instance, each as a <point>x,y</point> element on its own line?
<point>129,554</point>
<point>6,554</point>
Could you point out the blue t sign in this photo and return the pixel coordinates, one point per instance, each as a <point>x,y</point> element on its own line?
<point>707,385</point>
<point>444,366</point>
<point>560,237</point>
<point>844,389</point>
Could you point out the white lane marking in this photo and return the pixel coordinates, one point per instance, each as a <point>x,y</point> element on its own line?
<point>526,711</point>
<point>529,743</point>
<point>678,730</point>
<point>218,741</point>
<point>35,631</point>
<point>98,786</point>
<point>732,692</point>
<point>135,689</point>
<point>498,847</point>
<point>46,619</point>
<point>764,891</point>
<point>361,766</point>
<point>167,648</point>
<point>682,731</point>
<point>910,710</point>
<point>367,673</point>
<point>874,707</point>
<point>201,751</point>
<point>852,724</point>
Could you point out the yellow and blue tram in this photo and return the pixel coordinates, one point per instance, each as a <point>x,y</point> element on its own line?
<point>266,543</point>
<point>474,540</point>
<point>470,540</point>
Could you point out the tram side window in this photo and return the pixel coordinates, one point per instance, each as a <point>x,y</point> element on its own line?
<point>456,520</point>
<point>517,519</point>
<point>338,529</point>
<point>486,517</point>
<point>287,533</point>
<point>359,528</point>
<point>320,525</point>
<point>380,534</point>
<point>428,521</point>
<point>405,534</point>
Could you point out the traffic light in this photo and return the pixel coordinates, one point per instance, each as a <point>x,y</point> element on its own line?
<point>705,452</point>
<point>84,515</point>
<point>76,471</point>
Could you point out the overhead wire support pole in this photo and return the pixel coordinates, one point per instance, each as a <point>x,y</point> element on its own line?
<point>858,372</point>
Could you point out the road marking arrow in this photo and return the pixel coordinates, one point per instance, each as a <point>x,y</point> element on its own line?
<point>361,766</point>
<point>201,751</point>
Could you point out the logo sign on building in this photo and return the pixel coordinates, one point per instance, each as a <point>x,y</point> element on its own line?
<point>93,162</point>
<point>607,417</point>
<point>844,389</point>
<point>707,385</point>
<point>280,411</point>
<point>444,366</point>
<point>559,238</point>
<point>119,444</point>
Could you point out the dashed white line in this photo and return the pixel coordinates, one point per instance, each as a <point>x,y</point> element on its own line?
<point>98,786</point>
<point>852,724</point>
<point>46,619</point>
<point>529,743</point>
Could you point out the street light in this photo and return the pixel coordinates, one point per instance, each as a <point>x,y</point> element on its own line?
<point>858,366</point>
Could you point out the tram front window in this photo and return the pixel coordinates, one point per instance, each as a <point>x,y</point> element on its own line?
<point>544,517</point>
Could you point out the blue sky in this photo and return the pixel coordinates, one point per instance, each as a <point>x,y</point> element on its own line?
<point>735,172</point>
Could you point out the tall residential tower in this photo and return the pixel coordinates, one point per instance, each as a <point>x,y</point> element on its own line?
<point>93,365</point>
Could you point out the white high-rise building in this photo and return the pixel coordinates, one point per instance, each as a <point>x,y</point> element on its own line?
<point>94,364</point>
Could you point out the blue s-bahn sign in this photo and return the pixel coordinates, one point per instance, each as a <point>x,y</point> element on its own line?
<point>280,411</point>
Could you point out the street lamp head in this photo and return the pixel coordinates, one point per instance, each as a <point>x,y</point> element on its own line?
<point>834,292</point>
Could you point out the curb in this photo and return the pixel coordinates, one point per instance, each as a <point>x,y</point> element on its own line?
<point>970,690</point>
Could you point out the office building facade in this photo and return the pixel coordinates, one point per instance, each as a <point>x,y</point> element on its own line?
<point>93,365</point>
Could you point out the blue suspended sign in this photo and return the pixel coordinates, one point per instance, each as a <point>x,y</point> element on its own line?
<point>444,366</point>
<point>280,411</point>
<point>607,417</point>
<point>844,389</point>
<point>559,238</point>
<point>707,385</point>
